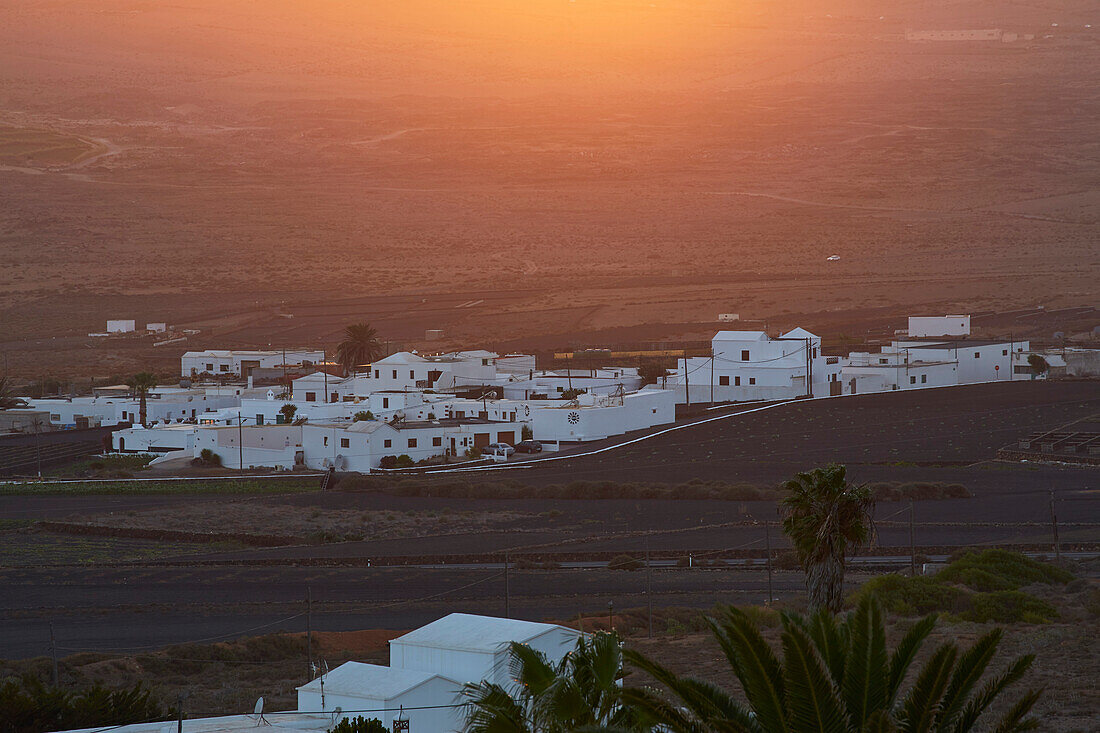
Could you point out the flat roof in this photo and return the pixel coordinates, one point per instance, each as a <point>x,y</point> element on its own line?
<point>291,721</point>
<point>371,681</point>
<point>476,633</point>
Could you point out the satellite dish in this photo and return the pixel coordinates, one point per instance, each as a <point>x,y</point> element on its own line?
<point>259,710</point>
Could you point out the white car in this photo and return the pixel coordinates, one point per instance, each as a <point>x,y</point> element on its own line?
<point>498,449</point>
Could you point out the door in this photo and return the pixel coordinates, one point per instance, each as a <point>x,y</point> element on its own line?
<point>247,367</point>
<point>481,440</point>
<point>835,388</point>
<point>507,436</point>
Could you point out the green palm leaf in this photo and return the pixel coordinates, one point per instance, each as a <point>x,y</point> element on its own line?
<point>990,691</point>
<point>756,667</point>
<point>972,665</point>
<point>1014,720</point>
<point>864,682</point>
<point>904,653</point>
<point>812,698</point>
<point>922,704</point>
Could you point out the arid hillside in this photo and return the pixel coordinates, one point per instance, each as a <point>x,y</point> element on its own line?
<point>646,162</point>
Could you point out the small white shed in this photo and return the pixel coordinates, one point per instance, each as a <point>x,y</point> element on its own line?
<point>387,693</point>
<point>472,648</point>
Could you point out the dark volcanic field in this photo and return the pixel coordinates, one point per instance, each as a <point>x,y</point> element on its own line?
<point>946,435</point>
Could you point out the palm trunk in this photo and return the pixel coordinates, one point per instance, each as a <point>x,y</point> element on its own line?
<point>825,583</point>
<point>141,409</point>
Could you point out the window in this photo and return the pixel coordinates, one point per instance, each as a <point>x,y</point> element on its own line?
<point>460,413</point>
<point>412,374</point>
<point>484,362</point>
<point>744,355</point>
<point>752,380</point>
<point>724,381</point>
<point>924,379</point>
<point>483,414</point>
<point>376,374</point>
<point>326,440</point>
<point>224,367</point>
<point>395,374</point>
<point>1004,352</point>
<point>345,442</point>
<point>311,396</point>
<point>815,352</point>
<point>912,380</point>
<point>737,381</point>
<point>437,441</point>
<point>385,402</point>
<point>654,410</point>
<point>977,355</point>
<point>209,367</point>
<point>388,443</point>
<point>259,419</point>
<point>883,361</point>
<point>412,442</point>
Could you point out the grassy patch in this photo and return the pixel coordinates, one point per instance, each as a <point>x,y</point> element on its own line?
<point>696,489</point>
<point>166,486</point>
<point>977,586</point>
<point>105,467</point>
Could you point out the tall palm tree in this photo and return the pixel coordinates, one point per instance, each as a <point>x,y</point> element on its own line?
<point>359,346</point>
<point>8,400</point>
<point>581,692</point>
<point>826,517</point>
<point>140,384</point>
<point>836,675</point>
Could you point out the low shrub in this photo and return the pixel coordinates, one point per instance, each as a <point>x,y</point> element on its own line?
<point>917,596</point>
<point>1009,606</point>
<point>405,461</point>
<point>993,570</point>
<point>624,562</point>
<point>359,725</point>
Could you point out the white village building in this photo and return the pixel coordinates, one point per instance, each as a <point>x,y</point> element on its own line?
<point>239,363</point>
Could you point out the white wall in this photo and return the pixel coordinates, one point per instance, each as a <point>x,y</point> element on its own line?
<point>436,691</point>
<point>637,411</point>
<point>273,446</point>
<point>153,440</point>
<point>935,326</point>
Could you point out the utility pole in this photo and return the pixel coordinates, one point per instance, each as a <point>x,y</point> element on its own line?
<point>286,383</point>
<point>648,589</point>
<point>507,590</point>
<point>809,369</point>
<point>912,545</point>
<point>179,712</point>
<point>712,374</point>
<point>309,631</point>
<point>768,546</point>
<point>53,653</point>
<point>1054,528</point>
<point>240,440</point>
<point>687,382</point>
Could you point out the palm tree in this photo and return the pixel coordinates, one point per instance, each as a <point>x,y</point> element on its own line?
<point>836,675</point>
<point>359,346</point>
<point>8,400</point>
<point>826,517</point>
<point>581,692</point>
<point>140,384</point>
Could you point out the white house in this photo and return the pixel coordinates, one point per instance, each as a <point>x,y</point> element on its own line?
<point>750,365</point>
<point>238,363</point>
<point>159,439</point>
<point>471,648</point>
<point>421,698</point>
<point>121,326</point>
<point>592,417</point>
<point>272,446</point>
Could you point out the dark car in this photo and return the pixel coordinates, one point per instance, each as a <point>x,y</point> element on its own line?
<point>529,446</point>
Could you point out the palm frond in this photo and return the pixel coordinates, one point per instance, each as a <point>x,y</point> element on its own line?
<point>864,682</point>
<point>904,654</point>
<point>922,704</point>
<point>812,699</point>
<point>970,668</point>
<point>1016,719</point>
<point>989,692</point>
<point>755,665</point>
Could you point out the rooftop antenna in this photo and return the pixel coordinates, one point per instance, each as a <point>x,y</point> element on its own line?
<point>324,671</point>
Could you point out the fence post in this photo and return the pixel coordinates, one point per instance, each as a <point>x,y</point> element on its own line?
<point>912,545</point>
<point>53,653</point>
<point>768,546</point>
<point>1054,528</point>
<point>648,590</point>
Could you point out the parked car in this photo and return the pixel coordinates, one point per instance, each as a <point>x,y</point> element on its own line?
<point>498,448</point>
<point>529,446</point>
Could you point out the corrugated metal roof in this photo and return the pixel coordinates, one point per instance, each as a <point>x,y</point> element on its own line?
<point>371,681</point>
<point>468,632</point>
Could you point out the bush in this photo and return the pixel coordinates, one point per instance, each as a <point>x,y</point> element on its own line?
<point>387,462</point>
<point>363,415</point>
<point>917,596</point>
<point>404,461</point>
<point>993,570</point>
<point>358,725</point>
<point>526,433</point>
<point>209,457</point>
<point>1009,606</point>
<point>473,453</point>
<point>624,562</point>
<point>27,705</point>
